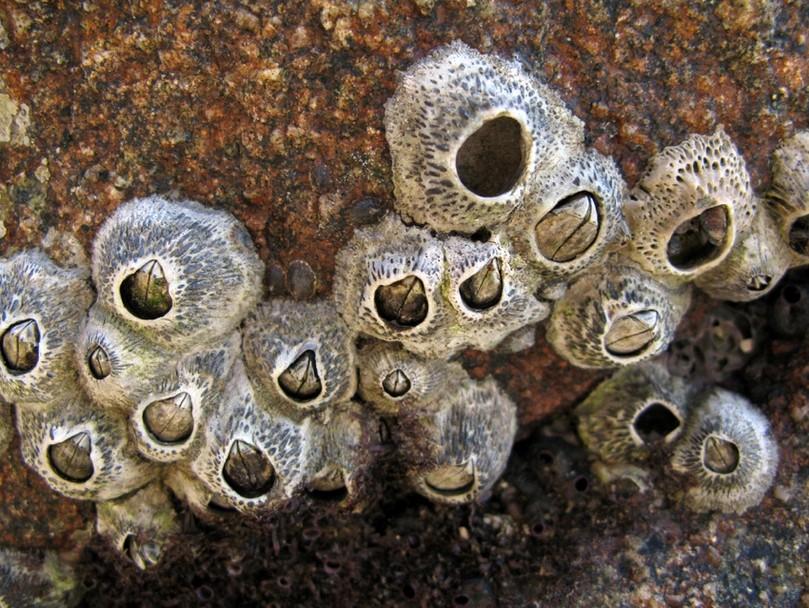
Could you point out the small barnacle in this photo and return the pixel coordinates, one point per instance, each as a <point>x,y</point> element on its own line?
<point>41,307</point>
<point>393,379</point>
<point>300,354</point>
<point>489,292</point>
<point>82,451</point>
<point>388,284</point>
<point>727,453</point>
<point>616,315</point>
<point>39,579</point>
<point>118,366</point>
<point>634,413</point>
<point>455,452</point>
<point>790,193</point>
<point>571,216</point>
<point>139,525</point>
<point>467,133</point>
<point>690,207</point>
<point>176,271</point>
<point>755,265</point>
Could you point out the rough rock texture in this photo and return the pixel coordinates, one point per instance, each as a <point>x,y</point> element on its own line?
<point>274,112</point>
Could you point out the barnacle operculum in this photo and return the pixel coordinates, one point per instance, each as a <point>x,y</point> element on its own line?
<point>631,334</point>
<point>451,480</point>
<point>71,458</point>
<point>396,383</point>
<point>727,453</point>
<point>699,239</point>
<point>99,362</point>
<point>145,293</point>
<point>170,420</point>
<point>329,484</point>
<point>402,303</point>
<point>248,470</point>
<point>569,229</point>
<point>300,381</point>
<point>20,346</point>
<point>484,288</point>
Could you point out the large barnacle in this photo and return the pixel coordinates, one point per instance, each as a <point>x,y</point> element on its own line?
<point>299,354</point>
<point>633,414</point>
<point>388,283</point>
<point>139,525</point>
<point>616,315</point>
<point>467,133</point>
<point>690,207</point>
<point>755,265</point>
<point>82,451</point>
<point>456,453</point>
<point>790,193</point>
<point>570,217</point>
<point>41,308</point>
<point>178,272</point>
<point>727,453</point>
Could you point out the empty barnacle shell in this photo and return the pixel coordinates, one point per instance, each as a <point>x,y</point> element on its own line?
<point>634,413</point>
<point>571,217</point>
<point>690,207</point>
<point>727,453</point>
<point>388,282</point>
<point>82,451</point>
<point>41,308</point>
<point>456,452</point>
<point>755,265</point>
<point>617,315</point>
<point>790,193</point>
<point>467,133</point>
<point>177,272</point>
<point>139,525</point>
<point>299,354</point>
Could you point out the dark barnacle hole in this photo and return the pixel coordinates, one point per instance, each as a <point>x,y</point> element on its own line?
<point>145,292</point>
<point>700,239</point>
<point>170,420</point>
<point>402,303</point>
<point>655,423</point>
<point>451,480</point>
<point>396,383</point>
<point>799,235</point>
<point>569,229</point>
<point>20,346</point>
<point>70,459</point>
<point>248,470</point>
<point>492,160</point>
<point>484,288</point>
<point>719,455</point>
<point>300,381</point>
<point>632,334</point>
<point>99,362</point>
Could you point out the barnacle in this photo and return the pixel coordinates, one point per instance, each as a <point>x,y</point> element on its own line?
<point>615,316</point>
<point>634,413</point>
<point>299,354</point>
<point>727,453</point>
<point>176,271</point>
<point>689,207</point>
<point>139,525</point>
<point>790,193</point>
<point>467,133</point>
<point>456,453</point>
<point>41,307</point>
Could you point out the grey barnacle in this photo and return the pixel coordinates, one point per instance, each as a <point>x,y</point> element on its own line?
<point>175,271</point>
<point>467,133</point>
<point>41,307</point>
<point>727,454</point>
<point>615,315</point>
<point>790,194</point>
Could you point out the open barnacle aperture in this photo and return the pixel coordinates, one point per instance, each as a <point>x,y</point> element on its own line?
<point>145,293</point>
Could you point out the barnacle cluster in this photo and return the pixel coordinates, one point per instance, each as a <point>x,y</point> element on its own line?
<point>163,371</point>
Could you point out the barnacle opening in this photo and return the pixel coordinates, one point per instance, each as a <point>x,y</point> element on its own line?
<point>720,455</point>
<point>247,470</point>
<point>451,480</point>
<point>20,347</point>
<point>483,289</point>
<point>799,235</point>
<point>170,420</point>
<point>656,423</point>
<point>99,362</point>
<point>759,282</point>
<point>403,303</point>
<point>145,292</point>
<point>632,334</point>
<point>70,459</point>
<point>699,239</point>
<point>329,486</point>
<point>301,381</point>
<point>491,160</point>
<point>568,230</point>
<point>396,383</point>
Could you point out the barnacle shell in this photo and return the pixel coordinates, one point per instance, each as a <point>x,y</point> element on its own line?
<point>559,240</point>
<point>585,322</point>
<point>755,265</point>
<point>207,265</point>
<point>456,453</point>
<point>466,133</point>
<point>727,453</point>
<point>139,525</point>
<point>82,451</point>
<point>633,413</point>
<point>32,288</point>
<point>300,355</point>
<point>790,193</point>
<point>689,207</point>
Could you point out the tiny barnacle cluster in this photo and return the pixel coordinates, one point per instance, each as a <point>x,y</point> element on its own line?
<point>161,371</point>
